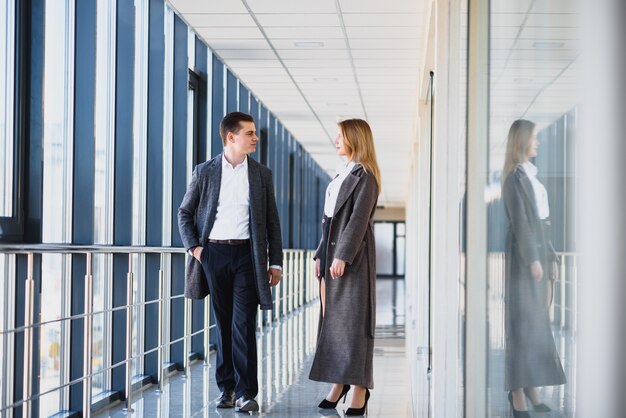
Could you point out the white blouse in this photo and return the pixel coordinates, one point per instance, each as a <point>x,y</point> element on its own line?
<point>541,195</point>
<point>332,191</point>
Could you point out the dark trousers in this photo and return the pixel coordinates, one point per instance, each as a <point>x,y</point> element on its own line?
<point>234,301</point>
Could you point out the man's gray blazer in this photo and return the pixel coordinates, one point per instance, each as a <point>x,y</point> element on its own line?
<point>196,217</point>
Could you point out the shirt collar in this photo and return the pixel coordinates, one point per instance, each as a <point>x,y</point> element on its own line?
<point>344,167</point>
<point>226,164</point>
<point>530,168</point>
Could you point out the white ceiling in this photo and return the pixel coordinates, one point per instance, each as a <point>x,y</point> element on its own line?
<point>312,63</point>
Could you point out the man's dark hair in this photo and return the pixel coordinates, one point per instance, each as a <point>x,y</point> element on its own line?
<point>230,123</point>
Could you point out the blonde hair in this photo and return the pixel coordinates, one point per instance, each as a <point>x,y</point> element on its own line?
<point>517,145</point>
<point>359,144</point>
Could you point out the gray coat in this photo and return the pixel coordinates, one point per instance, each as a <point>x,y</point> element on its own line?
<point>345,343</point>
<point>531,358</point>
<point>196,217</point>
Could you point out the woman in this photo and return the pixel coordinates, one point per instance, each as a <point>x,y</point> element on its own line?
<point>345,264</point>
<point>531,357</point>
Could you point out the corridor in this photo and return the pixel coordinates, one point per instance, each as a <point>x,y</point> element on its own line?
<point>285,353</point>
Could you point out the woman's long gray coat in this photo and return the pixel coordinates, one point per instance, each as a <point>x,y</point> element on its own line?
<point>345,343</point>
<point>531,358</point>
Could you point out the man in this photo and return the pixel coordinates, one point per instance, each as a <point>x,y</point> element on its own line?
<point>229,224</point>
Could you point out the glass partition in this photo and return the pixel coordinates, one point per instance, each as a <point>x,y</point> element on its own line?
<point>531,254</point>
<point>7,73</point>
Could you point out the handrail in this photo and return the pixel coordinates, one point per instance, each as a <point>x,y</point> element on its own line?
<point>83,249</point>
<point>296,290</point>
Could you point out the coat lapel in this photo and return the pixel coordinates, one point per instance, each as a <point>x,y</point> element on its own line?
<point>527,187</point>
<point>347,187</point>
<point>215,183</point>
<point>254,182</point>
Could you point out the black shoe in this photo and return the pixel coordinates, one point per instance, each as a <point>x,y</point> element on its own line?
<point>226,400</point>
<point>516,413</point>
<point>246,404</point>
<point>540,407</point>
<point>362,410</point>
<point>326,404</point>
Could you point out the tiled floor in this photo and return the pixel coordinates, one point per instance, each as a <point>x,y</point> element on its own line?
<point>285,355</point>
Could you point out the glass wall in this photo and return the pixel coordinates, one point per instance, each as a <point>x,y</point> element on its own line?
<point>7,74</point>
<point>57,197</point>
<point>531,253</point>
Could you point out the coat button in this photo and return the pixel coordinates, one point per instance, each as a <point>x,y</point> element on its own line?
<point>332,243</point>
<point>323,220</point>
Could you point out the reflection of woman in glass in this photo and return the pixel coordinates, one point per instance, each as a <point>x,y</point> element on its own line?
<point>531,357</point>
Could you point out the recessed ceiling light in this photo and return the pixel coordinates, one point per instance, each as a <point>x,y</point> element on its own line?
<point>548,44</point>
<point>309,44</point>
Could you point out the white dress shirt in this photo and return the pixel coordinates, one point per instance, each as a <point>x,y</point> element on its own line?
<point>332,191</point>
<point>232,219</point>
<point>233,207</point>
<point>541,195</point>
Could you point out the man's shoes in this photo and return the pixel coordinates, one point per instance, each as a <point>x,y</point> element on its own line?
<point>246,404</point>
<point>227,399</point>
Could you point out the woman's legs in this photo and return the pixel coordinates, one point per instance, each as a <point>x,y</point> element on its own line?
<point>335,392</point>
<point>519,400</point>
<point>533,395</point>
<point>358,397</point>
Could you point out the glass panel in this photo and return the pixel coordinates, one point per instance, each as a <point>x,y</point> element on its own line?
<point>5,295</point>
<point>7,62</point>
<point>58,111</point>
<point>383,233</point>
<point>57,198</point>
<point>51,335</point>
<point>103,186</point>
<point>400,254</point>
<point>101,272</point>
<point>460,33</point>
<point>533,118</point>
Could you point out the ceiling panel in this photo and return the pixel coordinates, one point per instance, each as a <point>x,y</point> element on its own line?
<point>229,33</point>
<point>203,20</point>
<point>194,6</point>
<point>290,6</point>
<point>377,6</point>
<point>382,19</point>
<point>298,19</point>
<point>246,54</point>
<point>383,32</point>
<point>304,33</point>
<point>316,54</point>
<point>389,43</point>
<point>218,44</point>
<point>384,54</point>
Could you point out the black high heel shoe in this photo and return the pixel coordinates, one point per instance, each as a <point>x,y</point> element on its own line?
<point>326,404</point>
<point>540,407</point>
<point>359,411</point>
<point>516,413</point>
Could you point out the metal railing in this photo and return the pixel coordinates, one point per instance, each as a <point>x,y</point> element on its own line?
<point>563,311</point>
<point>297,288</point>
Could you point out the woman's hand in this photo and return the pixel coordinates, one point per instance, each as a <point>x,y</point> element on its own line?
<point>317,268</point>
<point>337,268</point>
<point>555,271</point>
<point>536,270</point>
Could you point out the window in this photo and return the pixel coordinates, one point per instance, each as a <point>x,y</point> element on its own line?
<point>10,207</point>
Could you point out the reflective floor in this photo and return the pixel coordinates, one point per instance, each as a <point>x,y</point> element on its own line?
<point>285,355</point>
